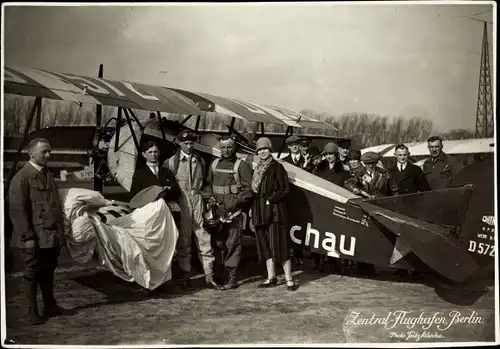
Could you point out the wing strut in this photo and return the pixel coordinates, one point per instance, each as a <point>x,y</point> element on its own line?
<point>98,182</point>
<point>118,126</point>
<point>197,122</point>
<point>289,129</point>
<point>37,105</point>
<point>186,119</point>
<point>135,118</point>
<point>39,117</point>
<point>161,125</point>
<point>129,122</point>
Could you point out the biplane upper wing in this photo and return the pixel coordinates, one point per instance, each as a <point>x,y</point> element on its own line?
<point>80,89</point>
<point>452,147</point>
<point>261,113</point>
<point>84,89</point>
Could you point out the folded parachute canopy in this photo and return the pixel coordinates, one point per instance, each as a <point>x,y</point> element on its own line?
<point>136,247</point>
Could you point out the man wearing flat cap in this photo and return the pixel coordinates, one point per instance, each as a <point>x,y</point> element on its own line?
<point>189,170</point>
<point>295,157</point>
<point>343,152</point>
<point>375,180</point>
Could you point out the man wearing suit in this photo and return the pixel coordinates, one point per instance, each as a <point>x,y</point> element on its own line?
<point>152,173</point>
<point>295,157</point>
<point>406,177</point>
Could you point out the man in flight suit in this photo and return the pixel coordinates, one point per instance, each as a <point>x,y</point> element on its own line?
<point>229,185</point>
<point>189,170</point>
<point>37,218</point>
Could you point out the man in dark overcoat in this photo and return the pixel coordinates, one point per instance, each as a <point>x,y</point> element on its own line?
<point>439,168</point>
<point>407,177</point>
<point>37,219</point>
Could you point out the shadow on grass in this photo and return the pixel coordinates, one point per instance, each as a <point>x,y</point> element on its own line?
<point>118,291</point>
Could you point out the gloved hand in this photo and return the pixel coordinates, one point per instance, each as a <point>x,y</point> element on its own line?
<point>213,201</point>
<point>163,194</point>
<point>30,246</point>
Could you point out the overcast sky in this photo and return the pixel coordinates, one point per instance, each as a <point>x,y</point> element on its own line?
<point>337,58</point>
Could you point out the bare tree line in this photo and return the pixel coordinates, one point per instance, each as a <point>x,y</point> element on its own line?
<point>365,130</point>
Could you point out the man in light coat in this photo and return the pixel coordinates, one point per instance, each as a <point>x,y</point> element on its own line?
<point>189,170</point>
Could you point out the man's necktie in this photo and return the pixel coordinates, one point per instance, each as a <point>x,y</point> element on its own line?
<point>43,177</point>
<point>190,172</point>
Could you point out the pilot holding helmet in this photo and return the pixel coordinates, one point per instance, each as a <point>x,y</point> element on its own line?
<point>229,188</point>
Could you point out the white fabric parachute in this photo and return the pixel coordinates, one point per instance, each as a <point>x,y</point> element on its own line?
<point>137,246</point>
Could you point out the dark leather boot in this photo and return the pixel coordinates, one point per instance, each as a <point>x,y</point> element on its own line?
<point>50,307</point>
<point>233,283</point>
<point>186,281</point>
<point>30,288</point>
<point>46,283</point>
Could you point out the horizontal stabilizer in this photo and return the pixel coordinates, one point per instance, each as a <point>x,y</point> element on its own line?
<point>435,245</point>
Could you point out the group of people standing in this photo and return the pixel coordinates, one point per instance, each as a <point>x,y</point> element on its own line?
<point>365,174</point>
<point>226,187</point>
<point>229,186</point>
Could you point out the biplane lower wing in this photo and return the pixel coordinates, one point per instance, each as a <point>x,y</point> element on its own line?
<point>84,89</point>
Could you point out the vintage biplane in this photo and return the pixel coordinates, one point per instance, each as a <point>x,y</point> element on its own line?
<point>432,231</point>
